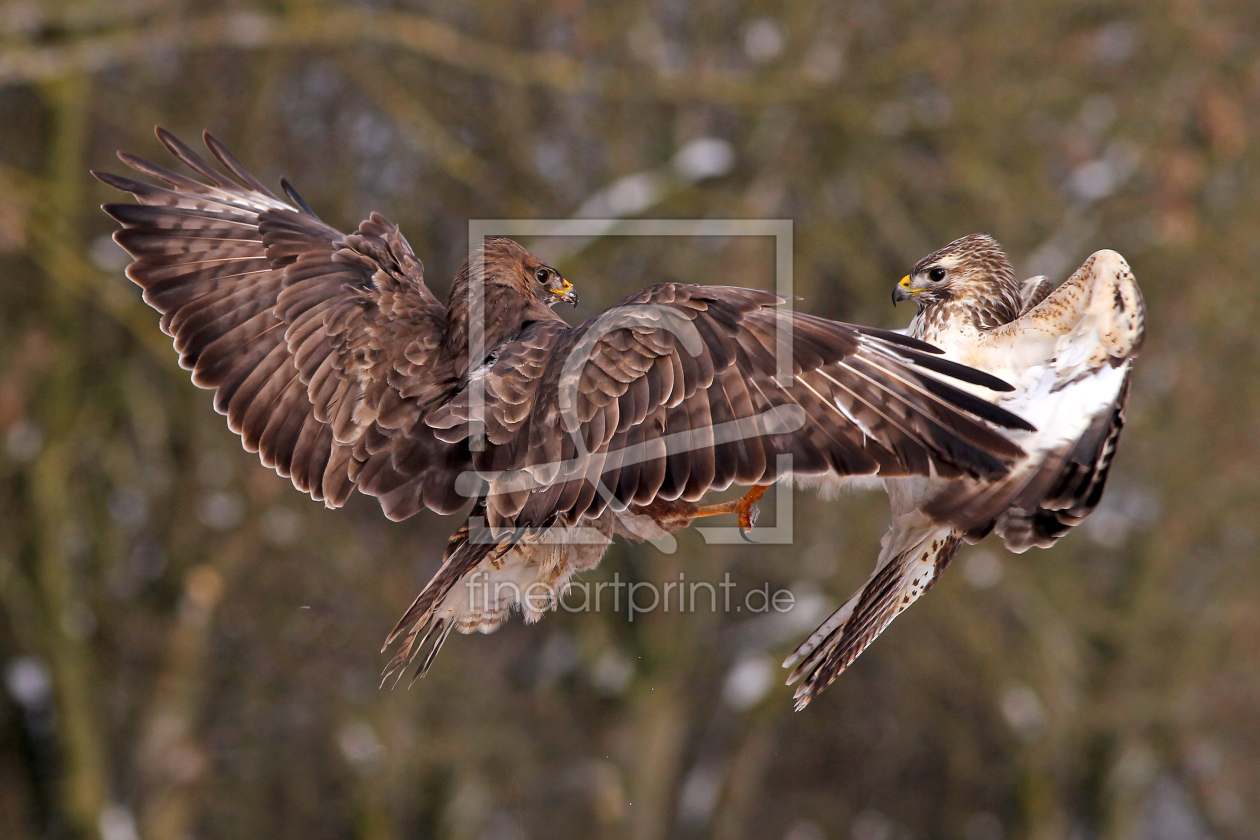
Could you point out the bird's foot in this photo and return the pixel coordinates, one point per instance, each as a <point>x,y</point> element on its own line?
<point>745,509</point>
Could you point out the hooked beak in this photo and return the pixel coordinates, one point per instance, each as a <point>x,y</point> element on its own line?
<point>565,292</point>
<point>902,291</point>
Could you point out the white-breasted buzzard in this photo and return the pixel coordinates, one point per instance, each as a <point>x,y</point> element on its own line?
<point>1069,353</point>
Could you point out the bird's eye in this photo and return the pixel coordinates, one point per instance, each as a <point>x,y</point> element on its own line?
<point>542,274</point>
<point>936,274</point>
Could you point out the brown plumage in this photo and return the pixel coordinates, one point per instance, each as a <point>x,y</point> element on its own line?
<point>333,360</point>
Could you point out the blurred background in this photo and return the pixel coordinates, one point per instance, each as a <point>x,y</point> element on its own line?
<point>189,646</point>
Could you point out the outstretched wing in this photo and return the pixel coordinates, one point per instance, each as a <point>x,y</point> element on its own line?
<point>1070,357</point>
<point>322,348</point>
<point>677,391</point>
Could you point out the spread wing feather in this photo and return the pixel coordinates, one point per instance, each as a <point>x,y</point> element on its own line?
<point>322,348</point>
<point>674,393</point>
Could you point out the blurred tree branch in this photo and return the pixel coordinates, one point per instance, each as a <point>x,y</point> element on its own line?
<point>377,83</point>
<point>86,781</point>
<point>172,756</point>
<point>255,30</point>
<point>424,36</point>
<point>63,264</point>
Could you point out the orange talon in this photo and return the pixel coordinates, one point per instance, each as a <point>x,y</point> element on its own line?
<point>743,507</point>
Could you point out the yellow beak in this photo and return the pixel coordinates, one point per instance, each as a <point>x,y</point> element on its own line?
<point>902,291</point>
<point>565,292</point>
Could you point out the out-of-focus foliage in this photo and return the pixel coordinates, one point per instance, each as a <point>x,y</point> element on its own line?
<point>189,645</point>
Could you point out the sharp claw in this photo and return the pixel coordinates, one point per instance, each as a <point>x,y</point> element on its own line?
<point>747,519</point>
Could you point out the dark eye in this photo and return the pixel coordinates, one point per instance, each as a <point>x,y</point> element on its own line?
<point>542,274</point>
<point>936,274</point>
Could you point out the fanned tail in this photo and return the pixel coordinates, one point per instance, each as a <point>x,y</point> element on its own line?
<point>915,553</point>
<point>423,621</point>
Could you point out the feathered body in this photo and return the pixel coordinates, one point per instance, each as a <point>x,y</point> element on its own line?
<point>1069,353</point>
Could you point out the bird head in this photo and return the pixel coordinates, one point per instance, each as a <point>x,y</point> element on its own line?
<point>555,287</point>
<point>973,268</point>
<point>509,264</point>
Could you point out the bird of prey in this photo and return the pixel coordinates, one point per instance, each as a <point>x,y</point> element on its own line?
<point>335,362</point>
<point>1069,353</point>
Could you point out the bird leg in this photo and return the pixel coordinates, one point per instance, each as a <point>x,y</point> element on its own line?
<point>743,507</point>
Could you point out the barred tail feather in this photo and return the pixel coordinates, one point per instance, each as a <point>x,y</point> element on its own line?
<point>425,620</point>
<point>915,553</point>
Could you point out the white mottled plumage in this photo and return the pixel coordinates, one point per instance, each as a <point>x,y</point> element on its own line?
<point>1068,353</point>
<point>530,576</point>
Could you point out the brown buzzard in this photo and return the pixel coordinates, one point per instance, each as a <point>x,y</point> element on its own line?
<point>1069,353</point>
<point>333,360</point>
